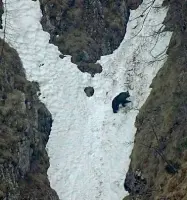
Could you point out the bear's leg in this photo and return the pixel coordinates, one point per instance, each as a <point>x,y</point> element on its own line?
<point>115,106</point>
<point>115,109</point>
<point>124,103</point>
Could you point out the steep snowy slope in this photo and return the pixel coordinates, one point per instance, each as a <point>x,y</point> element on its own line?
<point>88,150</point>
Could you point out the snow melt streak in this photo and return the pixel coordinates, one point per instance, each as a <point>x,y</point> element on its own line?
<point>88,150</point>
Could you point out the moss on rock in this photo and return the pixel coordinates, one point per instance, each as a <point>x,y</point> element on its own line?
<point>160,141</point>
<point>86,29</point>
<point>25,125</point>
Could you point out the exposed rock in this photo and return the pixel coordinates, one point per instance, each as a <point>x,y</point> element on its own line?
<point>90,68</point>
<point>86,29</point>
<point>89,91</point>
<point>61,56</point>
<point>135,183</point>
<point>134,4</point>
<point>25,127</point>
<point>161,137</point>
<point>1,13</point>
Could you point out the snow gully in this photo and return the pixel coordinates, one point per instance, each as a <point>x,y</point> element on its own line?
<point>88,150</point>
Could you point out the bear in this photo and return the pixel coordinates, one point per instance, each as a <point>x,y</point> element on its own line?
<point>120,99</point>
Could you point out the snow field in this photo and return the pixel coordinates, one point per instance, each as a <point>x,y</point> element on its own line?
<point>88,150</point>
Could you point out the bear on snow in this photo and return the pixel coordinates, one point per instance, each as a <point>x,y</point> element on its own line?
<point>120,99</point>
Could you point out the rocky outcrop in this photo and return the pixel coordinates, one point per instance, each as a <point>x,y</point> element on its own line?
<point>160,147</point>
<point>1,13</point>
<point>86,29</point>
<point>90,68</point>
<point>89,91</point>
<point>25,124</point>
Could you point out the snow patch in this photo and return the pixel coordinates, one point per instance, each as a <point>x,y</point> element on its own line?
<point>88,150</point>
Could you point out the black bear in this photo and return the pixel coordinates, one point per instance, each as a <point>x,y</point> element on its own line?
<point>120,99</point>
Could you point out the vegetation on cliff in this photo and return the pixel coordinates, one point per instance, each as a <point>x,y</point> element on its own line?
<point>25,124</point>
<point>158,167</point>
<point>88,29</point>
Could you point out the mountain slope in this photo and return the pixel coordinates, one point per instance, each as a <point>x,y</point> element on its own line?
<point>25,124</point>
<point>86,30</point>
<point>158,167</point>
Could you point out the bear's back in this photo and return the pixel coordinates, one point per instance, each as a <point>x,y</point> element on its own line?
<point>124,95</point>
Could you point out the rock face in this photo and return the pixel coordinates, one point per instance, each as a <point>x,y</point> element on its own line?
<point>89,91</point>
<point>160,149</point>
<point>1,13</point>
<point>90,68</point>
<point>86,29</point>
<point>25,124</point>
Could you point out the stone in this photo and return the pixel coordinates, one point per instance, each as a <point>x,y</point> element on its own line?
<point>135,183</point>
<point>134,4</point>
<point>90,68</point>
<point>89,91</point>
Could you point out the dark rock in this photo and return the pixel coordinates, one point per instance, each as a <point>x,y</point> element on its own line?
<point>61,56</point>
<point>1,13</point>
<point>172,168</point>
<point>134,4</point>
<point>80,56</point>
<point>165,3</point>
<point>89,91</point>
<point>135,183</point>
<point>90,68</point>
<point>175,21</point>
<point>44,121</point>
<point>86,29</point>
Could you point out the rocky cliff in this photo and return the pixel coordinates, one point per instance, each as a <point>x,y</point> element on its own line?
<point>25,124</point>
<point>86,29</point>
<point>158,167</point>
